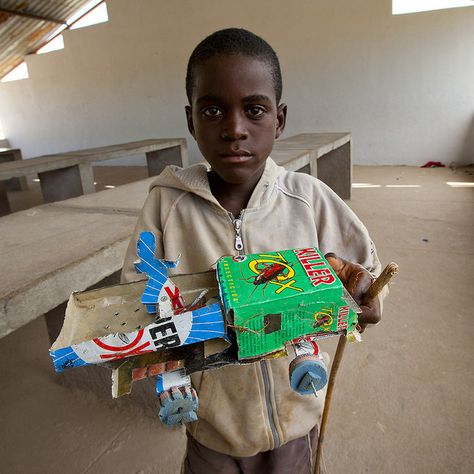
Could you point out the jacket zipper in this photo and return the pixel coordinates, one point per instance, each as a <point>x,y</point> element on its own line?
<point>239,246</point>
<point>237,222</point>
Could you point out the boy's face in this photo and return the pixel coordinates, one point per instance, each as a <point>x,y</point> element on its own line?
<point>234,116</point>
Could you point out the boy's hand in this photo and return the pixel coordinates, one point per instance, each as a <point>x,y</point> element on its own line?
<point>357,280</point>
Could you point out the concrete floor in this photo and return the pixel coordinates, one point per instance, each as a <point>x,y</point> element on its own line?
<point>404,397</point>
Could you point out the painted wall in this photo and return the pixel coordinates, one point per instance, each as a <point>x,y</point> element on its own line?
<point>403,85</point>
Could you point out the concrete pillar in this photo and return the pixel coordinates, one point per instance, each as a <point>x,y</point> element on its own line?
<point>60,184</point>
<point>4,204</point>
<point>159,159</point>
<point>335,169</point>
<point>87,178</point>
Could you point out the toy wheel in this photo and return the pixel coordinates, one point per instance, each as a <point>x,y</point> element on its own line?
<point>178,406</point>
<point>306,373</point>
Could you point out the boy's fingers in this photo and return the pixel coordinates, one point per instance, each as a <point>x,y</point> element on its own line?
<point>357,281</point>
<point>336,263</point>
<point>370,313</point>
<point>354,277</point>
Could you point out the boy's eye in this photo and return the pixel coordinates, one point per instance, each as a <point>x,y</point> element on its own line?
<point>212,112</point>
<point>255,111</point>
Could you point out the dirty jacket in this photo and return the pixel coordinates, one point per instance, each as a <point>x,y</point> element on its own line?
<point>251,408</point>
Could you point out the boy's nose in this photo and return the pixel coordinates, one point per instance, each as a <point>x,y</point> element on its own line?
<point>234,128</point>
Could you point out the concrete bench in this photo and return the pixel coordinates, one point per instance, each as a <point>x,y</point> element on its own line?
<point>66,175</point>
<point>13,184</point>
<point>13,154</point>
<point>326,156</point>
<point>51,250</point>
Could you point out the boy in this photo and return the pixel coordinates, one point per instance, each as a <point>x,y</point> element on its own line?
<point>250,420</point>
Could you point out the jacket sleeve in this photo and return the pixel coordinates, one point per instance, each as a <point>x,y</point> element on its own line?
<point>340,231</point>
<point>148,220</point>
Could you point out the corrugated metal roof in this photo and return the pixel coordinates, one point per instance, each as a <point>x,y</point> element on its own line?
<point>21,35</point>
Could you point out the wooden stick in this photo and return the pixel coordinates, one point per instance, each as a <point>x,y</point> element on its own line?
<point>327,402</point>
<point>374,289</point>
<point>383,279</point>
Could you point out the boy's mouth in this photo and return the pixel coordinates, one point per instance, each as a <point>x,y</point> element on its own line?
<point>237,156</point>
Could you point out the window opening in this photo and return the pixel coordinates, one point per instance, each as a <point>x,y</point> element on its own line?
<point>92,13</point>
<point>96,15</point>
<point>400,7</point>
<point>20,72</point>
<point>54,45</point>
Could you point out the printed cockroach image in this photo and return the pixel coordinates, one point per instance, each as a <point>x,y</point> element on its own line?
<point>263,273</point>
<point>268,274</point>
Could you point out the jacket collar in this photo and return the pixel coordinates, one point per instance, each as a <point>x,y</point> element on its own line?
<point>194,179</point>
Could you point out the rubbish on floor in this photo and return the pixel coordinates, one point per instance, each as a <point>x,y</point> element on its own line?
<point>433,164</point>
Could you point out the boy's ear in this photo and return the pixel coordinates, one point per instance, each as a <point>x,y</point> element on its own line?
<point>189,120</point>
<point>281,120</point>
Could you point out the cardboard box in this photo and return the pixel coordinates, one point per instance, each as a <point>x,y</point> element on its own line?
<point>274,297</point>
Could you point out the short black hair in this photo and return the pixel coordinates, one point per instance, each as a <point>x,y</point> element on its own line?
<point>234,41</point>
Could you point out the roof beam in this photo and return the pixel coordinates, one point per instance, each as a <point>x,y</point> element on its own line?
<point>33,16</point>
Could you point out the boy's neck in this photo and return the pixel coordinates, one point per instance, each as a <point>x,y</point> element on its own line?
<point>232,197</point>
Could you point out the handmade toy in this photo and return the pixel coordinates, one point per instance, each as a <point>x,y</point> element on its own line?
<point>252,307</point>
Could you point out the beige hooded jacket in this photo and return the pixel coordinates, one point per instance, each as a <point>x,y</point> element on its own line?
<point>251,408</point>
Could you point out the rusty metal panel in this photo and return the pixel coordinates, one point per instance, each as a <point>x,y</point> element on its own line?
<point>20,35</point>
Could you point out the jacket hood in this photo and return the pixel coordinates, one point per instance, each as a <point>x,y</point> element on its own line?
<point>193,179</point>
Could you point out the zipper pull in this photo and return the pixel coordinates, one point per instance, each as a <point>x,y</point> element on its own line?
<point>238,244</point>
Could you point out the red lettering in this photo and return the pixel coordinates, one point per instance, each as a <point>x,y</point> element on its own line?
<point>342,317</point>
<point>305,255</point>
<point>325,280</point>
<point>321,271</point>
<point>310,260</point>
<point>303,252</point>
<point>344,311</point>
<point>309,266</point>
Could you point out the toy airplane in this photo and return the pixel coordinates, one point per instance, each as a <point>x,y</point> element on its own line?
<point>252,307</point>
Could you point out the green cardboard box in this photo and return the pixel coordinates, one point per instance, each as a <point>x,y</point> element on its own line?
<point>272,298</point>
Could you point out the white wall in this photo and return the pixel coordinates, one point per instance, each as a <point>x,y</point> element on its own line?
<point>403,85</point>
